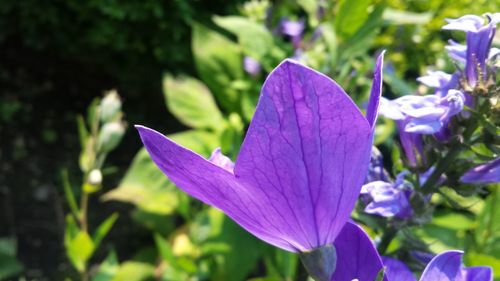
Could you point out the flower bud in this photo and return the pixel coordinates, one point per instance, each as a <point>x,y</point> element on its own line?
<point>95,177</point>
<point>110,136</point>
<point>110,106</point>
<point>320,263</point>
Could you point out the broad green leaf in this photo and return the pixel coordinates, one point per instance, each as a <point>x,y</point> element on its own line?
<point>191,102</point>
<point>218,62</point>
<point>254,37</point>
<point>392,16</point>
<point>108,268</point>
<point>134,271</point>
<point>350,16</point>
<point>79,249</point>
<point>164,249</point>
<point>103,229</point>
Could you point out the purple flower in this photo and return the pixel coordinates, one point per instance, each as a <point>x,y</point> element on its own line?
<point>478,39</point>
<point>359,260</point>
<point>412,145</point>
<point>389,199</point>
<point>446,266</point>
<point>428,114</point>
<point>485,173</point>
<point>441,81</point>
<point>293,29</point>
<point>300,167</point>
<point>251,66</point>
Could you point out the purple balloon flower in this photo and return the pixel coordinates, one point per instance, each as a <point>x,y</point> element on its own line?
<point>485,173</point>
<point>478,39</point>
<point>300,167</point>
<point>359,260</point>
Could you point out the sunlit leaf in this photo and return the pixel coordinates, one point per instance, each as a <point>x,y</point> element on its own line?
<point>134,271</point>
<point>191,102</point>
<point>103,229</point>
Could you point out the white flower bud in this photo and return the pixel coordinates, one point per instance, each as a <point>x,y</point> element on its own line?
<point>110,136</point>
<point>95,177</point>
<point>110,106</point>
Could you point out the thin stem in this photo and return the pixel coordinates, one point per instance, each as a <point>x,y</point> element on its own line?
<point>83,211</point>
<point>441,167</point>
<point>387,237</point>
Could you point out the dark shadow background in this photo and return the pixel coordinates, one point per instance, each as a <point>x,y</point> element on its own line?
<point>55,57</point>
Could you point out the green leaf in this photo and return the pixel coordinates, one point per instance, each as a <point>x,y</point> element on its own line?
<point>351,14</point>
<point>453,220</point>
<point>191,102</point>
<point>103,229</point>
<point>108,268</point>
<point>68,192</point>
<point>79,249</point>
<point>83,133</point>
<point>254,37</point>
<point>219,63</point>
<point>134,271</point>
<point>164,249</point>
<point>9,265</point>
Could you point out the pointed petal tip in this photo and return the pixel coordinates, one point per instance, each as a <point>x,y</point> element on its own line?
<point>376,91</point>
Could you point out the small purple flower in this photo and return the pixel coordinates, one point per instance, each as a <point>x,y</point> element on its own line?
<point>428,114</point>
<point>441,81</point>
<point>483,174</point>
<point>389,199</point>
<point>478,39</point>
<point>359,260</point>
<point>300,167</point>
<point>293,29</point>
<point>412,145</point>
<point>251,66</point>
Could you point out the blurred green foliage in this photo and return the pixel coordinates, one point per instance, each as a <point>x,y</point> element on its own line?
<point>188,240</point>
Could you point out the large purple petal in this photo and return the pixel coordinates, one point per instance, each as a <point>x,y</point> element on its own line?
<point>307,151</point>
<point>213,185</point>
<point>446,266</point>
<point>357,258</point>
<point>396,270</point>
<point>376,92</point>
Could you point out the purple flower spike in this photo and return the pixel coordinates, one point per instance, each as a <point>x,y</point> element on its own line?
<point>447,266</point>
<point>478,39</point>
<point>300,167</point>
<point>357,258</point>
<point>485,173</point>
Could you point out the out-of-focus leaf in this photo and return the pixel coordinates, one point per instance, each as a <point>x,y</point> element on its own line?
<point>239,241</point>
<point>145,186</point>
<point>83,133</point>
<point>383,131</point>
<point>108,268</point>
<point>197,140</point>
<point>440,239</point>
<point>153,221</point>
<point>103,229</point>
<point>191,102</point>
<point>9,265</point>
<point>255,39</point>
<point>350,16</point>
<point>453,220</point>
<point>488,229</point>
<point>392,16</point>
<point>164,249</point>
<point>218,62</point>
<point>398,85</point>
<point>79,249</point>
<point>134,271</point>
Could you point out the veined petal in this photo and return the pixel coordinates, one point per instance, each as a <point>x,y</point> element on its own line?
<point>446,266</point>
<point>211,184</point>
<point>306,152</point>
<point>357,258</point>
<point>396,270</point>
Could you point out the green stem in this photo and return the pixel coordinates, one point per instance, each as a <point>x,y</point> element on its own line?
<point>387,237</point>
